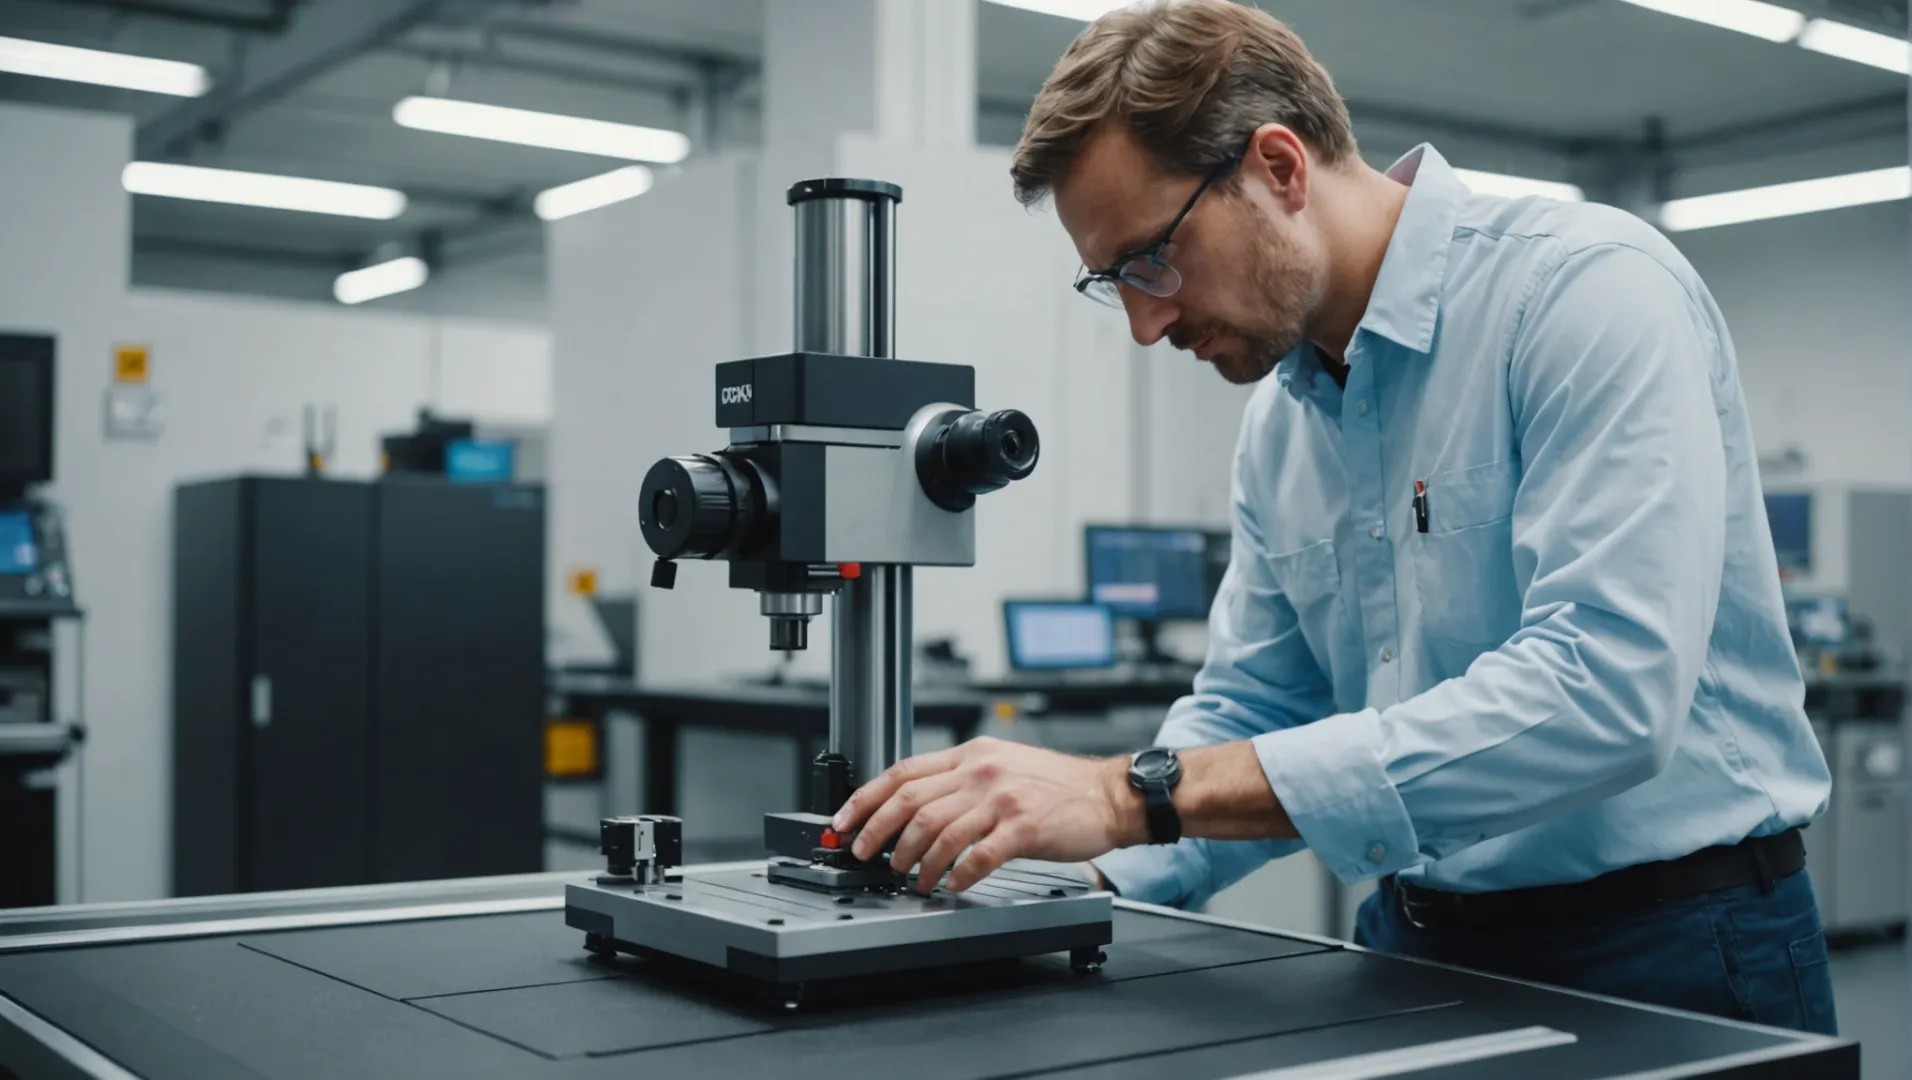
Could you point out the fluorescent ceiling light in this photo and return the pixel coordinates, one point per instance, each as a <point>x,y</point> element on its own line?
<point>592,193</point>
<point>1785,200</point>
<point>1862,46</point>
<point>382,279</point>
<point>262,189</point>
<point>1085,10</point>
<point>127,72</point>
<point>548,130</point>
<point>1762,20</point>
<point>1513,187</point>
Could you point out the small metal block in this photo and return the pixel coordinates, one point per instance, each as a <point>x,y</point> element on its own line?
<point>845,916</point>
<point>774,922</point>
<point>846,899</point>
<point>672,896</point>
<point>1058,891</point>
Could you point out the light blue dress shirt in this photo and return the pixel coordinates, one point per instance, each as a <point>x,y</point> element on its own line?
<point>1583,663</point>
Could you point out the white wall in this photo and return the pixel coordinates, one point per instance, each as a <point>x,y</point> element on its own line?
<point>64,224</point>
<point>233,376</point>
<point>1820,309</point>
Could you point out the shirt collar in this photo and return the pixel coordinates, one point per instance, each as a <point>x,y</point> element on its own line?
<point>1406,301</point>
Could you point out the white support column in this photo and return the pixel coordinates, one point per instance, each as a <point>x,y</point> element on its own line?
<point>926,72</point>
<point>902,70</point>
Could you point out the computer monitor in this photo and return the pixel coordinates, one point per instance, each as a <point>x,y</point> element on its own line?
<point>1055,635</point>
<point>474,461</point>
<point>1221,546</point>
<point>1150,573</point>
<point>19,554</point>
<point>1790,517</point>
<point>26,412</point>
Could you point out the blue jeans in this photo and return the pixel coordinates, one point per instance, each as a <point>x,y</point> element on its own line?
<point>1734,953</point>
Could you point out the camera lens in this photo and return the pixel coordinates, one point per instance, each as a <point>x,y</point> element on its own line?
<point>699,507</point>
<point>963,455</point>
<point>664,508</point>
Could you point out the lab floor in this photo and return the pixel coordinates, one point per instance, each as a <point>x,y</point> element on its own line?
<point>1873,986</point>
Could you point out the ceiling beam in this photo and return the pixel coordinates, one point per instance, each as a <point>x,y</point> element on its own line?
<point>621,45</point>
<point>274,20</point>
<point>1883,17</point>
<point>328,262</point>
<point>548,69</point>
<point>1868,111</point>
<point>326,35</point>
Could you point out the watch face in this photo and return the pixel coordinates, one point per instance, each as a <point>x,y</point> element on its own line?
<point>1154,763</point>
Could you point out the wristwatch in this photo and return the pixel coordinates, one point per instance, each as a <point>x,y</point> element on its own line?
<point>1155,772</point>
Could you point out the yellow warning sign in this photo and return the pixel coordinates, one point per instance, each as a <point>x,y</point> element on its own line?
<point>131,363</point>
<point>570,749</point>
<point>583,582</point>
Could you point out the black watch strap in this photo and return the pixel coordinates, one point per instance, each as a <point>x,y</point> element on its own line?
<point>1165,822</point>
<point>1155,772</point>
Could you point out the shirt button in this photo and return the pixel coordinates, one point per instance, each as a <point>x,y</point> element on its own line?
<point>1360,408</point>
<point>1387,656</point>
<point>1376,531</point>
<point>1377,851</point>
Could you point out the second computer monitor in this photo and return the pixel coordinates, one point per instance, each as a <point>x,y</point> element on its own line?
<point>1153,573</point>
<point>1059,635</point>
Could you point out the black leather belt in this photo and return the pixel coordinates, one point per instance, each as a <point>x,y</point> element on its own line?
<point>1762,861</point>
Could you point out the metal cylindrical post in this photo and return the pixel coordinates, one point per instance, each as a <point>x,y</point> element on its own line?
<point>871,712</point>
<point>823,285</point>
<point>846,304</point>
<point>846,267</point>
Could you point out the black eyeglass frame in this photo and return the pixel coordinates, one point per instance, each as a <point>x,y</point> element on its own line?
<point>1153,251</point>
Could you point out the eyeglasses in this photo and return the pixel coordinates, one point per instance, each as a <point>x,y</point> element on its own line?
<point>1144,268</point>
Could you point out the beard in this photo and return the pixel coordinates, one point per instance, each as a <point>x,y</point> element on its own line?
<point>1289,289</point>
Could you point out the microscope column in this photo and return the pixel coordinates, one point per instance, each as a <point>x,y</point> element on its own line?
<point>846,304</point>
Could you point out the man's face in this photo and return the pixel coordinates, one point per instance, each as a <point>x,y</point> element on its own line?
<point>1251,276</point>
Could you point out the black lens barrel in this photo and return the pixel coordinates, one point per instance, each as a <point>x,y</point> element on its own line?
<point>699,506</point>
<point>963,455</point>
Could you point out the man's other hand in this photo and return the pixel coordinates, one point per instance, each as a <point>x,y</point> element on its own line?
<point>1008,800</point>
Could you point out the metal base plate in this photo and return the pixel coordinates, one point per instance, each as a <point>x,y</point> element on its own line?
<point>770,932</point>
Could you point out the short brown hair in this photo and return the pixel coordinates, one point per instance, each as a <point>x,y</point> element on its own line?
<point>1192,79</point>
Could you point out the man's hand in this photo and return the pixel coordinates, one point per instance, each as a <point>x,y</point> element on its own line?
<point>1009,800</point>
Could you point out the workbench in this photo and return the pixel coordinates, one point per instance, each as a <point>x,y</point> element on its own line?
<point>798,711</point>
<point>473,979</point>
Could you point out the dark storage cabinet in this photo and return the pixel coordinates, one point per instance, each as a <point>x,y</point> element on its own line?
<point>357,682</point>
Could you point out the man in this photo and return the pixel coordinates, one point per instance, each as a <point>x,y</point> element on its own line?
<point>1502,625</point>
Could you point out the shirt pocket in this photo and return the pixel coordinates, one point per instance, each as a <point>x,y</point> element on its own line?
<point>1464,564</point>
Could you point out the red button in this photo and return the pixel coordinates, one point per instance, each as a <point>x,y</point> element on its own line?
<point>850,570</point>
<point>830,839</point>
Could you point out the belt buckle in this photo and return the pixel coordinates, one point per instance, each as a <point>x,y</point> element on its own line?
<point>1410,908</point>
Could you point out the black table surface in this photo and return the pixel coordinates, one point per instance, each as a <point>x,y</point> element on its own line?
<point>767,707</point>
<point>452,990</point>
<point>36,740</point>
<point>747,705</point>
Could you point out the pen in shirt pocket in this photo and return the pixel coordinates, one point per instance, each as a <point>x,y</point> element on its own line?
<point>1420,506</point>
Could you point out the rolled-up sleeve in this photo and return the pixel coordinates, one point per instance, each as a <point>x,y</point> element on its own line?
<point>1259,676</point>
<point>1618,541</point>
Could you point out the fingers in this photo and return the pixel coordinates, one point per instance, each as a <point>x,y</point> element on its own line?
<point>950,844</point>
<point>877,792</point>
<point>899,810</point>
<point>928,824</point>
<point>988,856</point>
